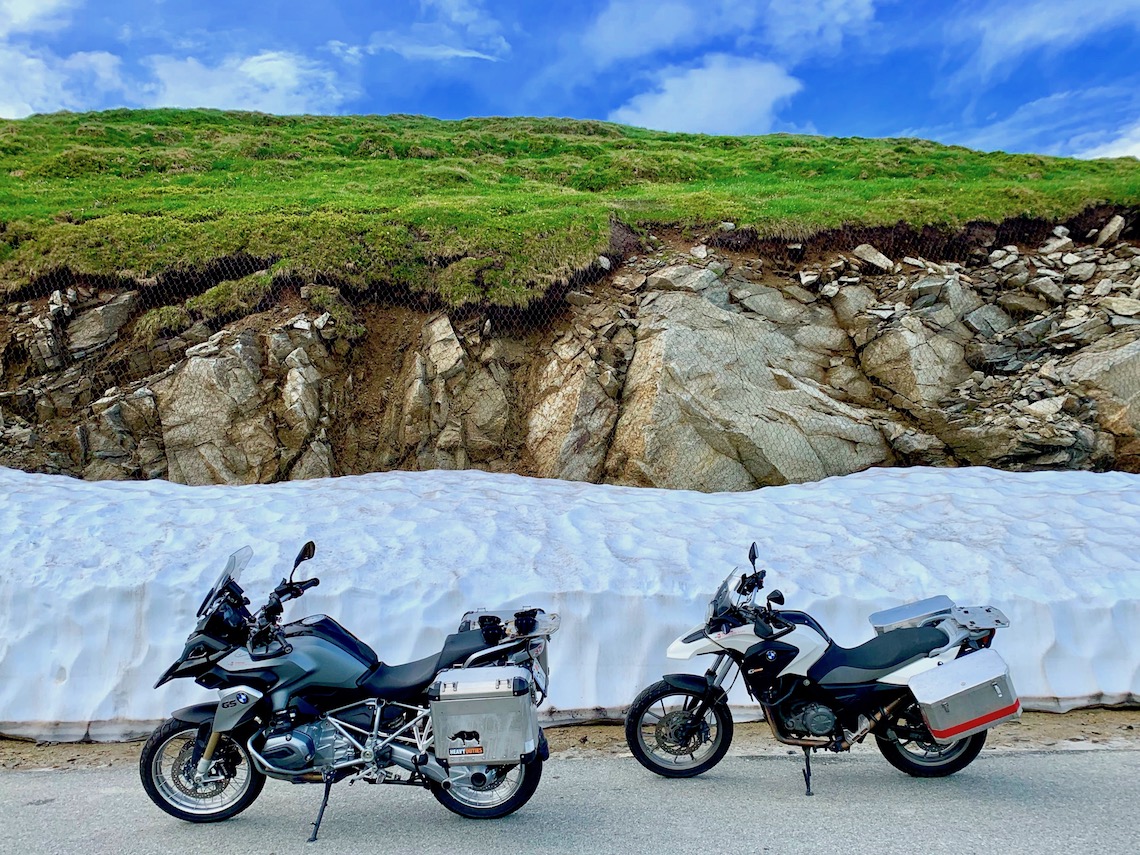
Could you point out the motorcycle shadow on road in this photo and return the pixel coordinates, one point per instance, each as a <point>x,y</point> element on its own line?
<point>617,801</point>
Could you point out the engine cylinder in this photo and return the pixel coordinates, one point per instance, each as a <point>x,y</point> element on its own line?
<point>293,750</point>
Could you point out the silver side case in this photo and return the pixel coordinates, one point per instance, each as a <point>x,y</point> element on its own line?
<point>971,694</point>
<point>911,614</point>
<point>484,715</point>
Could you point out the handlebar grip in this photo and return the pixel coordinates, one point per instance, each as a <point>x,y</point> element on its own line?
<point>308,583</point>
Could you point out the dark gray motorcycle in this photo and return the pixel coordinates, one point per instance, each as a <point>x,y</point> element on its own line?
<point>309,702</point>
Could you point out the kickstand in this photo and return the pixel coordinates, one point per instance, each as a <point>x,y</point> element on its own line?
<point>328,777</point>
<point>807,771</point>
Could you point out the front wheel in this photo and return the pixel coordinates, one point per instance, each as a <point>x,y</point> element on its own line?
<point>669,735</point>
<point>168,775</point>
<point>907,745</point>
<point>489,792</point>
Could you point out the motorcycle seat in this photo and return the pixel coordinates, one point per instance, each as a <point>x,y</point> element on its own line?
<point>406,682</point>
<point>876,658</point>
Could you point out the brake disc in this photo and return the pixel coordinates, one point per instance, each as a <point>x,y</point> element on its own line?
<point>680,733</point>
<point>183,776</point>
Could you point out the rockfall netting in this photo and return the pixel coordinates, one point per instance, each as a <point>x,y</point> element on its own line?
<point>706,360</point>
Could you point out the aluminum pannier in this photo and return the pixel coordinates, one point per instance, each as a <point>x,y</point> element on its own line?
<point>966,696</point>
<point>484,715</point>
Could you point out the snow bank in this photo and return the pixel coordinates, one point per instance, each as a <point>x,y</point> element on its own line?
<point>100,581</point>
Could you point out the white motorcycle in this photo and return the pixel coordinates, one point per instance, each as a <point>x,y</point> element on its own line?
<point>927,687</point>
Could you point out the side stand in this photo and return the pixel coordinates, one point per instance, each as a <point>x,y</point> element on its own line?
<point>328,777</point>
<point>807,771</point>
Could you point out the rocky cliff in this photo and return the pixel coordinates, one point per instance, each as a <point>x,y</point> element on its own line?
<point>705,361</point>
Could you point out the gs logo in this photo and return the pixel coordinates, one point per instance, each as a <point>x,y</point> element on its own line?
<point>239,698</point>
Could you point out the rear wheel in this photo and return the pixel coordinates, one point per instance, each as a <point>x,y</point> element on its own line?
<point>168,775</point>
<point>669,735</point>
<point>907,745</point>
<point>489,792</point>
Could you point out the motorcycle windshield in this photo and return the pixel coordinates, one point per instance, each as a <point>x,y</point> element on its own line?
<point>231,572</point>
<point>722,599</point>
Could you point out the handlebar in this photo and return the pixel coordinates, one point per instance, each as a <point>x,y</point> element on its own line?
<point>284,592</point>
<point>291,590</point>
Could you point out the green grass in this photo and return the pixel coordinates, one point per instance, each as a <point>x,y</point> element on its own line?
<point>488,210</point>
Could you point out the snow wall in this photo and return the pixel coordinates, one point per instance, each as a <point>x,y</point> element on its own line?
<point>100,581</point>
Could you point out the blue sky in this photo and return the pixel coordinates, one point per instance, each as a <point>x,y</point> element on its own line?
<point>1049,76</point>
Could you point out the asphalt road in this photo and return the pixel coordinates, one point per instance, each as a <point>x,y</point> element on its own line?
<point>1065,802</point>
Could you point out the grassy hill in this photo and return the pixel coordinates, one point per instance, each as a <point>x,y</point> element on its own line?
<point>488,210</point>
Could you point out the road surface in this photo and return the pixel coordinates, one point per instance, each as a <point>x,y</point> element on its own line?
<point>1039,803</point>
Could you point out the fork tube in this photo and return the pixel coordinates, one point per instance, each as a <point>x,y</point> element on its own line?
<point>208,754</point>
<point>719,669</point>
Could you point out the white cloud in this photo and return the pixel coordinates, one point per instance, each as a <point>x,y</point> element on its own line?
<point>1125,144</point>
<point>812,26</point>
<point>270,82</point>
<point>26,16</point>
<point>725,95</point>
<point>1071,124</point>
<point>351,54</point>
<point>41,82</point>
<point>626,29</point>
<point>469,18</point>
<point>400,45</point>
<point>1007,29</point>
<point>452,29</point>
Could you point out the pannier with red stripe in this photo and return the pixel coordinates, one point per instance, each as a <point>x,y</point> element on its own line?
<point>966,696</point>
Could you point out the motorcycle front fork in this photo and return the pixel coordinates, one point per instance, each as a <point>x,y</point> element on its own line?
<point>718,670</point>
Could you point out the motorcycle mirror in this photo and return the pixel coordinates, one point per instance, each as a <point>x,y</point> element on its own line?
<point>776,597</point>
<point>752,554</point>
<point>307,552</point>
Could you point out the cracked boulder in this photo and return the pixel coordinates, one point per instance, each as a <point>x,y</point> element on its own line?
<point>216,427</point>
<point>717,400</point>
<point>916,362</point>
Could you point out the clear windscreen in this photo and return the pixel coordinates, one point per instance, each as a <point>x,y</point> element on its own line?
<point>723,597</point>
<point>232,571</point>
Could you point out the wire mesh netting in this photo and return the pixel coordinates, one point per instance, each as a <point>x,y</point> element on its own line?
<point>697,359</point>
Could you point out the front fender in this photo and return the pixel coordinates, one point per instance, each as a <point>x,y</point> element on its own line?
<point>698,685</point>
<point>236,707</point>
<point>197,714</point>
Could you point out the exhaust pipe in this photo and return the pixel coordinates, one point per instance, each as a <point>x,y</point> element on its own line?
<point>423,763</point>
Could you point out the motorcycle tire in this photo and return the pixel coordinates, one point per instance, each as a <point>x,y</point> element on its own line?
<point>500,791</point>
<point>166,773</point>
<point>660,734</point>
<point>908,746</point>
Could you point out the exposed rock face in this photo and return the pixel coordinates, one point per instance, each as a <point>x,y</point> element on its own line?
<point>728,400</point>
<point>920,363</point>
<point>570,424</point>
<point>689,368</point>
<point>215,428</point>
<point>96,328</point>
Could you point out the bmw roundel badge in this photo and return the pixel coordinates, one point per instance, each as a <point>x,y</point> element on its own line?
<point>770,655</point>
<point>242,698</point>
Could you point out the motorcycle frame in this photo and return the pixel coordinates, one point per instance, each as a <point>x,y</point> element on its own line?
<point>371,757</point>
<point>722,666</point>
<point>420,726</point>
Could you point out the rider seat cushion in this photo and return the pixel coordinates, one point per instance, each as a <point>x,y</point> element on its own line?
<point>877,657</point>
<point>406,682</point>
